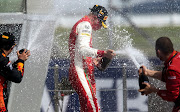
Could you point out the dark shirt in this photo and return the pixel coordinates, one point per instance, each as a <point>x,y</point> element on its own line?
<point>8,72</point>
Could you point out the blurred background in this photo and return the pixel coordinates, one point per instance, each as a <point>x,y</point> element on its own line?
<point>133,26</point>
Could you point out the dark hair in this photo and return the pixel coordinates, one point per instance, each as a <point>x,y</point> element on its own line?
<point>7,40</point>
<point>165,45</point>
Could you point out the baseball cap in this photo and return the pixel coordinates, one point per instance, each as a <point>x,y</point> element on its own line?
<point>101,13</point>
<point>7,40</point>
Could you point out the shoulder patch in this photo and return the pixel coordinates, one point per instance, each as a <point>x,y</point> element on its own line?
<point>84,29</point>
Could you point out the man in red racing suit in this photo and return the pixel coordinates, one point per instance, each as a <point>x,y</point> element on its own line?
<point>170,74</point>
<point>9,72</point>
<point>81,68</point>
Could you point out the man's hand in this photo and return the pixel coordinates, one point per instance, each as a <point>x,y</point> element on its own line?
<point>148,89</point>
<point>96,60</point>
<point>109,54</point>
<point>24,56</point>
<point>150,73</point>
<point>144,70</point>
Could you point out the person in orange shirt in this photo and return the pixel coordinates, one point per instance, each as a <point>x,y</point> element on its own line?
<point>9,72</point>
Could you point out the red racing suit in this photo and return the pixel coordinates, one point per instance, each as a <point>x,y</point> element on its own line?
<point>8,72</point>
<point>171,76</point>
<point>81,65</point>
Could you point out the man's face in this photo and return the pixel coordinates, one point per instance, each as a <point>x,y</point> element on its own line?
<point>159,55</point>
<point>157,52</point>
<point>96,25</point>
<point>11,49</point>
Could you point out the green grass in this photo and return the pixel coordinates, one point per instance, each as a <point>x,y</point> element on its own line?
<point>7,6</point>
<point>155,32</point>
<point>101,38</point>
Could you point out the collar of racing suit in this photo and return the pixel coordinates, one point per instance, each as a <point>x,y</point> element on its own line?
<point>173,54</point>
<point>87,19</point>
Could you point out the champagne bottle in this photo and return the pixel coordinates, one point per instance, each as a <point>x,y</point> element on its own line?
<point>143,78</point>
<point>104,63</point>
<point>21,51</point>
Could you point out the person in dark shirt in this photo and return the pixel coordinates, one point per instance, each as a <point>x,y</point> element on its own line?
<point>9,72</point>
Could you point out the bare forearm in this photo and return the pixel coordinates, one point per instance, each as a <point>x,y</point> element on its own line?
<point>154,74</point>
